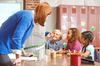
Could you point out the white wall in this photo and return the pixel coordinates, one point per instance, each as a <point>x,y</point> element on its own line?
<point>51,21</point>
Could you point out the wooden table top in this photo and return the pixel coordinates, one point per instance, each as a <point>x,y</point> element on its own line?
<point>59,61</point>
<point>97,48</point>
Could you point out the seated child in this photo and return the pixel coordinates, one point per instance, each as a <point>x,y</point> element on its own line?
<point>86,40</point>
<point>73,44</point>
<point>48,35</point>
<point>56,43</point>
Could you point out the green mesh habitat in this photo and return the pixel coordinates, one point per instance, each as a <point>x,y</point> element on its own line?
<point>36,40</point>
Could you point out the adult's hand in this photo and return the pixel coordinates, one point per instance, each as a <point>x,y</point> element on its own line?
<point>29,55</point>
<point>18,60</point>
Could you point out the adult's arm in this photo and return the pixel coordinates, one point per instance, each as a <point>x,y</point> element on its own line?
<point>25,54</point>
<point>19,32</point>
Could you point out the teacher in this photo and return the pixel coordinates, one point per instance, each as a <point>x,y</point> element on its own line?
<point>17,28</point>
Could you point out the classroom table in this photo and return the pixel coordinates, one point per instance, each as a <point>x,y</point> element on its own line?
<point>64,60</point>
<point>98,48</point>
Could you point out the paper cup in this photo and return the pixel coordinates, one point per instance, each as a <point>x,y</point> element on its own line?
<point>53,54</point>
<point>48,52</point>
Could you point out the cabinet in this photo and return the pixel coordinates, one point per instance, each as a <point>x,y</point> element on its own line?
<point>82,17</point>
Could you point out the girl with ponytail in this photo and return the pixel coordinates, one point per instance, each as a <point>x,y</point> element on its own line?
<point>86,40</point>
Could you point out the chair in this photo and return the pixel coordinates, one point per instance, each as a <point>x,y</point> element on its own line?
<point>96,56</point>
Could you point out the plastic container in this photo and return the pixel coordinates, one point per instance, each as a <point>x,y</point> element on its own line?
<point>36,41</point>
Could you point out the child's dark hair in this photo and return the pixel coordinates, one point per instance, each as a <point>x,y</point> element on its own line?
<point>87,35</point>
<point>76,34</point>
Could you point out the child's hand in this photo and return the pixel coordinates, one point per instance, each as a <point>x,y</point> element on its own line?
<point>29,55</point>
<point>61,52</point>
<point>68,51</point>
<point>52,49</point>
<point>49,35</point>
<point>64,51</point>
<point>68,54</point>
<point>16,61</point>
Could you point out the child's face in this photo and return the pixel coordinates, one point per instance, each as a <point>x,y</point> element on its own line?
<point>83,40</point>
<point>55,35</point>
<point>69,34</point>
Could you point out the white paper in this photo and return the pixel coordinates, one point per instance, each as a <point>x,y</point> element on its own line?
<point>29,58</point>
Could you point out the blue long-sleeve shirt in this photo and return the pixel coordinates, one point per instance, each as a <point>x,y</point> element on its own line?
<point>15,30</point>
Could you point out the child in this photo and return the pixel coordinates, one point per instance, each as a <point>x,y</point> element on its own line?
<point>48,35</point>
<point>74,37</point>
<point>56,43</point>
<point>86,40</point>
